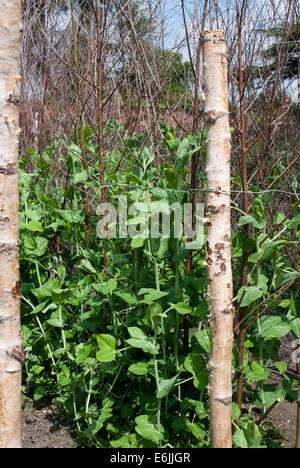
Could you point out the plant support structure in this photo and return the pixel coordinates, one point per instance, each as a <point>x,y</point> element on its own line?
<point>11,350</point>
<point>218,236</point>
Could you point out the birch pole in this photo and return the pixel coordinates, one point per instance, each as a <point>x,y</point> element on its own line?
<point>11,350</point>
<point>218,236</point>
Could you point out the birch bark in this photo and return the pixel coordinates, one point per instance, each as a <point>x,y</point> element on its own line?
<point>11,350</point>
<point>218,236</point>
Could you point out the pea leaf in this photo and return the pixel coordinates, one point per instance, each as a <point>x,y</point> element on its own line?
<point>137,242</point>
<point>203,339</point>
<point>252,294</point>
<point>140,340</point>
<point>87,266</point>
<point>256,372</point>
<point>165,387</point>
<point>127,297</point>
<point>196,430</point>
<point>34,226</point>
<point>235,411</point>
<point>248,219</point>
<point>146,426</point>
<point>139,368</point>
<point>295,326</point>
<point>239,439</point>
<point>274,327</point>
<point>154,296</point>
<point>182,308</point>
<point>82,353</point>
<point>105,287</point>
<point>107,346</point>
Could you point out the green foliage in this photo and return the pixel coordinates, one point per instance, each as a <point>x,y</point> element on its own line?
<point>108,348</point>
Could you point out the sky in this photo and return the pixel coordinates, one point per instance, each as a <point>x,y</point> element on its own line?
<point>261,10</point>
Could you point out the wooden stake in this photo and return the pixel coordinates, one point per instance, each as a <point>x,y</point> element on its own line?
<point>11,350</point>
<point>218,236</point>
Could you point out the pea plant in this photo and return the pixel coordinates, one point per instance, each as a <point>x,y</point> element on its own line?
<point>106,345</point>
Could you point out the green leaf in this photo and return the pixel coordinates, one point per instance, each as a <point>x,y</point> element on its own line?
<point>274,327</point>
<point>120,259</point>
<point>107,347</point>
<point>258,208</point>
<point>272,250</point>
<point>248,219</point>
<point>253,435</point>
<point>154,314</point>
<point>281,366</point>
<point>34,226</point>
<point>289,276</point>
<point>182,308</point>
<point>106,287</point>
<point>87,266</point>
<point>140,340</point>
<point>163,248</point>
<point>239,439</point>
<point>132,179</point>
<point>203,339</point>
<point>193,363</point>
<point>145,291</point>
<point>173,144</point>
<point>201,380</point>
<point>271,396</point>
<point>293,223</point>
<point>180,255</point>
<point>42,308</point>
<point>159,193</point>
<point>80,178</point>
<point>196,430</point>
<point>249,245</point>
<point>256,372</point>
<point>127,297</point>
<point>137,242</point>
<point>123,442</point>
<point>71,216</point>
<point>202,310</point>
<point>154,296</point>
<point>35,215</point>
<point>59,295</point>
<point>39,392</point>
<point>165,387</point>
<point>64,378</point>
<point>139,368</point>
<point>201,410</point>
<point>295,326</point>
<point>279,218</point>
<point>82,354</point>
<point>285,303</point>
<point>252,294</point>
<point>37,246</point>
<point>179,424</point>
<point>55,323</point>
<point>93,429</point>
<point>182,154</point>
<point>146,426</point>
<point>236,412</point>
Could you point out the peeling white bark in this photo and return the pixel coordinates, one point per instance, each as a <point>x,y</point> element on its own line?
<point>218,236</point>
<point>11,351</point>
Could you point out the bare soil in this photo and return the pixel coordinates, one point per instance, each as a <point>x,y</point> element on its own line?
<point>42,428</point>
<point>283,417</point>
